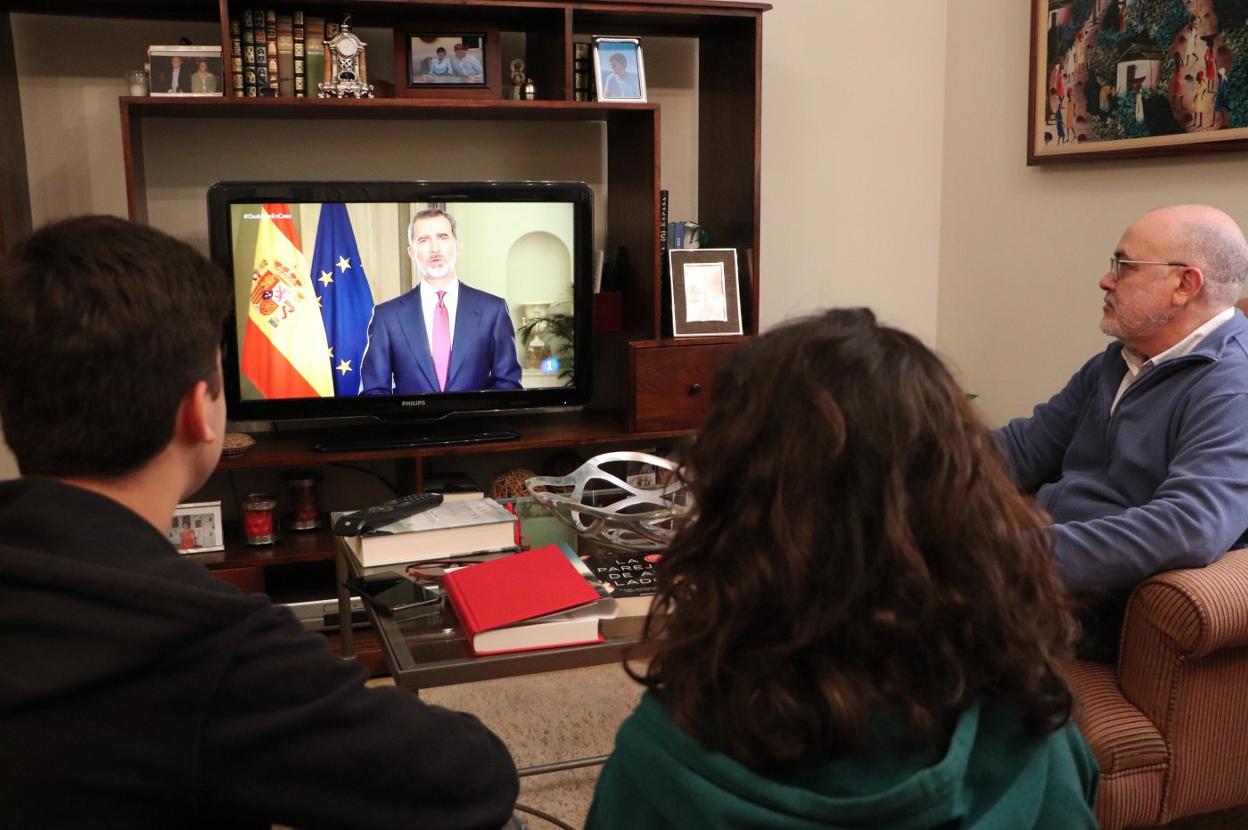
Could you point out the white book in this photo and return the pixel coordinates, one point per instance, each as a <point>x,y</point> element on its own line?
<point>451,529</point>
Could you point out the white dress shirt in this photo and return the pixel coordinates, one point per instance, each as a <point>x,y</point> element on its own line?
<point>1138,365</point>
<point>429,303</point>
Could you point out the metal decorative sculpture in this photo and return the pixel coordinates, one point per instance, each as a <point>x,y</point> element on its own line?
<point>643,518</point>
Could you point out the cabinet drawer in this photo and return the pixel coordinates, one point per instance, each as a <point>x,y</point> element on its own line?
<point>673,385</point>
<point>247,580</point>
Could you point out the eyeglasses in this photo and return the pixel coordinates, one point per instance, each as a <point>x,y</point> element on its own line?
<point>1116,263</point>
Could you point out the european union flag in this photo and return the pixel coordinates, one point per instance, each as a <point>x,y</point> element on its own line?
<point>345,298</point>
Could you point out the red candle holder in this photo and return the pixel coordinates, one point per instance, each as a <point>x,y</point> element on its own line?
<point>305,501</point>
<point>259,524</point>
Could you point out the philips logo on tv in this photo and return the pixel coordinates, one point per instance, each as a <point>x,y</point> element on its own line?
<point>411,403</point>
<point>267,216</point>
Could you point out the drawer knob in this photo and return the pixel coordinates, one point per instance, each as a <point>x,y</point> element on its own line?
<point>695,388</point>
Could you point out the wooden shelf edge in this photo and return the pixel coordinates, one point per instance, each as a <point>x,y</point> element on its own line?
<point>222,107</point>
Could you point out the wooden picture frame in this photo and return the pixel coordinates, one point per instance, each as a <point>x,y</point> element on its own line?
<point>196,527</point>
<point>185,79</point>
<point>428,62</point>
<point>1125,78</point>
<point>706,292</point>
<point>619,70</point>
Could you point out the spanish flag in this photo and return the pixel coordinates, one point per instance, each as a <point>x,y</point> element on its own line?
<point>284,347</point>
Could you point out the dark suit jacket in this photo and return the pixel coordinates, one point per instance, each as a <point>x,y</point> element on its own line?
<point>483,348</point>
<point>161,79</point>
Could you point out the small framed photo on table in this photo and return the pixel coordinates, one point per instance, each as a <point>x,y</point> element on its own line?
<point>458,63</point>
<point>706,295</point>
<point>196,527</point>
<point>618,69</point>
<point>185,70</point>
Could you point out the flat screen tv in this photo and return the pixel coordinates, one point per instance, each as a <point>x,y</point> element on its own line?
<point>405,300</point>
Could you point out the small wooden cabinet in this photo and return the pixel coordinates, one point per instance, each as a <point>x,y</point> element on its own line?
<point>672,382</point>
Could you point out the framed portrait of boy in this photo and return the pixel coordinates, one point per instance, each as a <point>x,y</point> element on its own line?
<point>619,72</point>
<point>706,295</point>
<point>456,63</point>
<point>185,70</point>
<point>196,527</point>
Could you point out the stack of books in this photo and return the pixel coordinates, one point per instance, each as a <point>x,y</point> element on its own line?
<point>453,528</point>
<point>542,598</point>
<point>276,54</point>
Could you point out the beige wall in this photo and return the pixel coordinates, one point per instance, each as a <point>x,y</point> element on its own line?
<point>1022,248</point>
<point>853,113</point>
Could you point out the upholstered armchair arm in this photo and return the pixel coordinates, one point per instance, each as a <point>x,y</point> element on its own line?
<point>1176,617</point>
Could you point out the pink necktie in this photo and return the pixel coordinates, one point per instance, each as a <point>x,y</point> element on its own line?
<point>441,339</point>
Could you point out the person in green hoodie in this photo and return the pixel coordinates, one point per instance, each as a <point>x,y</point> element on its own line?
<point>860,626</point>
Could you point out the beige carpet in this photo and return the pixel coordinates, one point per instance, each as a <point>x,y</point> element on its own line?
<point>547,718</point>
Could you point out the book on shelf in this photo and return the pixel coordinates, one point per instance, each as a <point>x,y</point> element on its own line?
<point>454,487</point>
<point>530,600</point>
<point>663,241</point>
<point>451,529</point>
<point>314,53</point>
<point>260,52</point>
<point>247,34</point>
<point>270,44</point>
<point>301,88</point>
<point>285,29</point>
<point>236,58</point>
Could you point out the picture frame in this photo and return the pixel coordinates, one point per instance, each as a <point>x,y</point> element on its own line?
<point>706,292</point>
<point>196,527</point>
<point>619,70</point>
<point>1129,78</point>
<point>439,62</point>
<point>185,71</point>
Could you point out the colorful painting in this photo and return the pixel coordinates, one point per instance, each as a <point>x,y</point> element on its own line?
<point>1137,77</point>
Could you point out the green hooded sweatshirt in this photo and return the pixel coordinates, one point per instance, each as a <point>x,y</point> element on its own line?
<point>993,776</point>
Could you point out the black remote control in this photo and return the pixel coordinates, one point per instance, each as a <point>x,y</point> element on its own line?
<point>379,515</point>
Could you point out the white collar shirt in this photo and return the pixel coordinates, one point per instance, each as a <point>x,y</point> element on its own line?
<point>1138,365</point>
<point>429,304</point>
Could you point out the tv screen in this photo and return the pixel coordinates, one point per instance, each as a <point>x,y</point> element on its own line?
<point>395,299</point>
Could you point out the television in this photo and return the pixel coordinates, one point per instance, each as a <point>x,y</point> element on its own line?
<point>416,303</point>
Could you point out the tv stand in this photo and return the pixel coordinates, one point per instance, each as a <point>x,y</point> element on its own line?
<point>409,438</point>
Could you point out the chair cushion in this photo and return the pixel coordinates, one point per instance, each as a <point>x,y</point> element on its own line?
<point>1120,736</point>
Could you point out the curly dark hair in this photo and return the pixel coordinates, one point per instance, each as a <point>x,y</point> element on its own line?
<point>858,547</point>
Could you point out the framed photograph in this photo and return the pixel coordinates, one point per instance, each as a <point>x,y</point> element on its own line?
<point>196,527</point>
<point>459,63</point>
<point>618,70</point>
<point>1134,78</point>
<point>185,70</point>
<point>706,296</point>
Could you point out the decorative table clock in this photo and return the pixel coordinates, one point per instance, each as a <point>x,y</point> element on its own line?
<point>346,69</point>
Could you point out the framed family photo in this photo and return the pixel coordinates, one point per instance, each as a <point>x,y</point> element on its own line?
<point>1135,78</point>
<point>619,73</point>
<point>185,70</point>
<point>196,527</point>
<point>461,63</point>
<point>706,294</point>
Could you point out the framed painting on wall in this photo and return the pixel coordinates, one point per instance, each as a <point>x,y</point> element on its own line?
<point>1136,77</point>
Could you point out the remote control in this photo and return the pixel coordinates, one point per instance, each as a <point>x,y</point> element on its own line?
<point>379,515</point>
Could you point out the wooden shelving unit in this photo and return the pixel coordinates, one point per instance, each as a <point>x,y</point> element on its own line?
<point>647,386</point>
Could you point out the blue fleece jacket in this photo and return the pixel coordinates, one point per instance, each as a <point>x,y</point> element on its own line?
<point>1160,484</point>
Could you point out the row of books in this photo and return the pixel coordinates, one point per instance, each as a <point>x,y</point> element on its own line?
<point>278,54</point>
<point>582,73</point>
<point>507,600</point>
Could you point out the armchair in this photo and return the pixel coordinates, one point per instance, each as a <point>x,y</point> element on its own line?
<point>1169,723</point>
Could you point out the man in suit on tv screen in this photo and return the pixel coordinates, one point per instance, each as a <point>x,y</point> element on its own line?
<point>443,335</point>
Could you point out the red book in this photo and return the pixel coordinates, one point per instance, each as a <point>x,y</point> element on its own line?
<point>536,599</point>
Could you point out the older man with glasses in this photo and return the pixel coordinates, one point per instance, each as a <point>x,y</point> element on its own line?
<point>1142,459</point>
